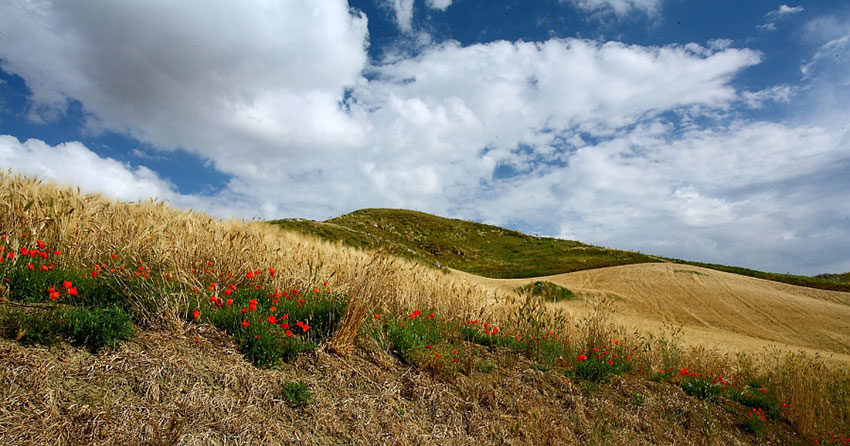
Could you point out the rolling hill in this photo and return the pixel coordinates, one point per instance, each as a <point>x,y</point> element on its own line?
<point>491,251</point>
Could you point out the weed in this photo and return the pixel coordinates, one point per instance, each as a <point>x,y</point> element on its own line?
<point>296,394</point>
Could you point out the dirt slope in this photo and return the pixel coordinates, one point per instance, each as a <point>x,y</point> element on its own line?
<point>716,309</point>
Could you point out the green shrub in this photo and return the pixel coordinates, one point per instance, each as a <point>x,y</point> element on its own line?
<point>547,290</point>
<point>296,394</point>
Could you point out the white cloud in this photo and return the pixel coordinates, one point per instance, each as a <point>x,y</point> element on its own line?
<point>403,13</point>
<point>619,7</point>
<point>784,10</point>
<point>776,93</point>
<point>439,4</point>
<point>73,163</point>
<point>779,14</point>
<point>230,80</point>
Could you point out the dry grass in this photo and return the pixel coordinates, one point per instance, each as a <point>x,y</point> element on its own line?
<point>167,388</point>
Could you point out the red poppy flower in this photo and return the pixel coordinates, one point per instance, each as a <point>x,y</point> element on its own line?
<point>72,291</point>
<point>196,314</point>
<point>40,244</point>
<point>581,358</point>
<point>272,319</point>
<point>250,275</point>
<point>229,302</point>
<point>245,323</point>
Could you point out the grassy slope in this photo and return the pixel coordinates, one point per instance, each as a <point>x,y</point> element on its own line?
<point>495,252</point>
<point>476,248</point>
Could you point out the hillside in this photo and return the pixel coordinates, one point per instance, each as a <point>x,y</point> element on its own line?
<point>476,248</point>
<point>140,323</point>
<point>495,252</point>
<point>718,310</point>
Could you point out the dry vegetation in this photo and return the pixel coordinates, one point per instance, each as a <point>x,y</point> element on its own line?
<point>183,382</point>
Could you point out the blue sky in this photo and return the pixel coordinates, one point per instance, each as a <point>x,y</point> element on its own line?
<point>707,130</point>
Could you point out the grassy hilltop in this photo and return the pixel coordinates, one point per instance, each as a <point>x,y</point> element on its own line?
<point>476,248</point>
<point>495,252</point>
<point>140,323</point>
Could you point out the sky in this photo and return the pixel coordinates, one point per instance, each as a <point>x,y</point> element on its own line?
<point>708,130</point>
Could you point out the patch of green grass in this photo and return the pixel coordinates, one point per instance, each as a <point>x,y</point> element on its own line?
<point>702,388</point>
<point>92,328</point>
<point>757,397</point>
<point>688,271</point>
<point>31,326</point>
<point>547,290</point>
<point>296,394</point>
<point>98,327</point>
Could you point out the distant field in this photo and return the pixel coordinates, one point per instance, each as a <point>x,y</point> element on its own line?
<point>495,252</point>
<point>719,310</point>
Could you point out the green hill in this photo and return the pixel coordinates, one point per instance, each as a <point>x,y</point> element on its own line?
<point>476,248</point>
<point>496,252</point>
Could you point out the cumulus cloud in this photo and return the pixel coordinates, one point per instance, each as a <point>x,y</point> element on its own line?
<point>438,4</point>
<point>619,7</point>
<point>73,163</point>
<point>231,80</point>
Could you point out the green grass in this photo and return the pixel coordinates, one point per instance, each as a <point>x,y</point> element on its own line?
<point>93,329</point>
<point>491,251</point>
<point>476,248</point>
<point>547,290</point>
<point>296,394</point>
